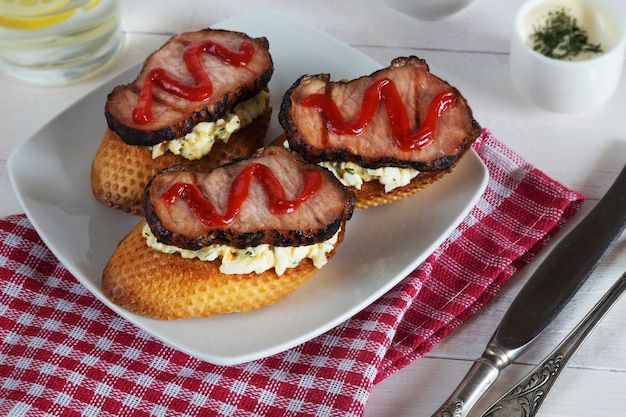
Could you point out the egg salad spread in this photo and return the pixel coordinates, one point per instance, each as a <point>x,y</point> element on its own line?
<point>200,140</point>
<point>253,259</point>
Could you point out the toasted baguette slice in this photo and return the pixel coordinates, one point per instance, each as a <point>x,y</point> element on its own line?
<point>120,172</point>
<point>167,286</point>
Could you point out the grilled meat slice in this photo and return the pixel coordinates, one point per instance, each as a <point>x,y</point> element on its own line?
<point>173,116</point>
<point>317,218</point>
<point>308,134</point>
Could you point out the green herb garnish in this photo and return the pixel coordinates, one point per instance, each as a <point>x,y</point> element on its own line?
<point>561,37</point>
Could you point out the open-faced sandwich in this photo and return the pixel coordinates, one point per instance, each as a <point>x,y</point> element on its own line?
<point>202,99</point>
<point>234,239</point>
<point>386,135</point>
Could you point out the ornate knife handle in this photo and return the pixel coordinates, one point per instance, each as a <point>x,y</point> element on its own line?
<point>525,398</point>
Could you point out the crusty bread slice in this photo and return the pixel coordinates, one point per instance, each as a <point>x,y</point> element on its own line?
<point>167,286</point>
<point>120,172</point>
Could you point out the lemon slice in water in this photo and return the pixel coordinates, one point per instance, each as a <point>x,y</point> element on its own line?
<point>36,14</point>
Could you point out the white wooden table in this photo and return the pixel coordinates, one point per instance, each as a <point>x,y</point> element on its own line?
<point>584,152</point>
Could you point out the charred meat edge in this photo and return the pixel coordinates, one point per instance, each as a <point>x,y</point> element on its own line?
<point>226,236</point>
<point>142,137</point>
<point>316,155</point>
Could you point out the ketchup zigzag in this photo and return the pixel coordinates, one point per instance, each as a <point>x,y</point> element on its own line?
<point>142,114</point>
<point>384,91</point>
<point>209,216</point>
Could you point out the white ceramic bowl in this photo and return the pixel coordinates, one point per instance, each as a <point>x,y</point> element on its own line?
<point>569,86</point>
<point>428,9</point>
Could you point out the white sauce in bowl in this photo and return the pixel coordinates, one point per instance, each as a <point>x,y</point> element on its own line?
<point>590,16</point>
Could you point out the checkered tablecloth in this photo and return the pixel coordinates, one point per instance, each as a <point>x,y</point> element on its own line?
<point>63,353</point>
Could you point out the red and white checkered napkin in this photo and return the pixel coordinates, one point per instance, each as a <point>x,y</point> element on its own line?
<point>63,353</point>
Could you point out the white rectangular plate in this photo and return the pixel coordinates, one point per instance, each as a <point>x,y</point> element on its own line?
<point>51,176</point>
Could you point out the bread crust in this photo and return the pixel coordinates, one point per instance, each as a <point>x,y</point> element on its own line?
<point>120,172</point>
<point>169,287</point>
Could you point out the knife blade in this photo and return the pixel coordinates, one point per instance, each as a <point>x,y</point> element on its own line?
<point>547,291</point>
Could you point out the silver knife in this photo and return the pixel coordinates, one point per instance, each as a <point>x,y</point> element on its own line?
<point>547,291</point>
<point>526,397</point>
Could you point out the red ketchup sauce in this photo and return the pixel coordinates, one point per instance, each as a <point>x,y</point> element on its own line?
<point>208,215</point>
<point>384,91</point>
<point>142,113</point>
